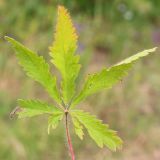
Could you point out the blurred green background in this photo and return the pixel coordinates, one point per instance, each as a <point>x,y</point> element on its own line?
<point>109,30</point>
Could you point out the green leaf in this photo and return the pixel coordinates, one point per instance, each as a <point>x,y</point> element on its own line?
<point>108,77</point>
<point>62,52</point>
<point>36,68</point>
<point>54,120</point>
<point>137,56</point>
<point>32,108</point>
<point>78,128</point>
<point>98,131</point>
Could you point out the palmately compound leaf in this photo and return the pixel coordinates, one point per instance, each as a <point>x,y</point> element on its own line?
<point>63,57</point>
<point>54,120</point>
<point>36,68</point>
<point>78,127</point>
<point>62,52</point>
<point>108,77</point>
<point>32,108</point>
<point>98,131</point>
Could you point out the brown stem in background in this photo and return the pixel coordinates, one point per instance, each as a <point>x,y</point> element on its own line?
<point>69,138</point>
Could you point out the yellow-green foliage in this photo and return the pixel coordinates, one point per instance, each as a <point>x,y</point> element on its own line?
<point>67,62</point>
<point>62,52</point>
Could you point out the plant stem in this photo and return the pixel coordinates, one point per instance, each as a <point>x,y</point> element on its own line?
<point>69,138</point>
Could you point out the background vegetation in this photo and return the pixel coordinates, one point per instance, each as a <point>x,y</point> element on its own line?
<point>109,30</point>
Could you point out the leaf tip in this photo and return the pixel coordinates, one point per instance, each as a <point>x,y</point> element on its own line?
<point>20,101</point>
<point>10,40</point>
<point>7,38</point>
<point>153,49</point>
<point>62,9</point>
